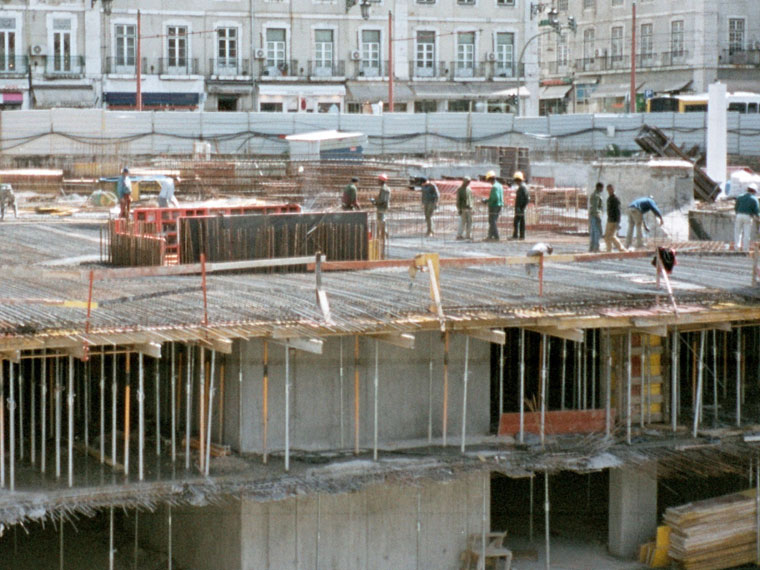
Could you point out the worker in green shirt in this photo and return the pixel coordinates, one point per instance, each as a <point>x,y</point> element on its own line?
<point>595,204</point>
<point>495,203</point>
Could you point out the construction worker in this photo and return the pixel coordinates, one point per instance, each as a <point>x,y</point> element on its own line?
<point>430,197</point>
<point>382,202</point>
<point>522,198</point>
<point>747,209</point>
<point>636,211</point>
<point>613,220</point>
<point>7,200</point>
<point>464,209</point>
<point>166,195</point>
<point>595,204</point>
<point>539,250</point>
<point>124,192</point>
<point>495,203</point>
<point>348,200</point>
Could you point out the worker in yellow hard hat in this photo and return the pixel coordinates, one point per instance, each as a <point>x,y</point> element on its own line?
<point>495,203</point>
<point>522,198</point>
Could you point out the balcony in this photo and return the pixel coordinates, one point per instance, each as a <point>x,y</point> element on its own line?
<point>124,66</point>
<point>468,69</point>
<point>177,66</point>
<point>372,69</point>
<point>505,70</point>
<point>64,66</point>
<point>229,67</point>
<point>271,70</point>
<point>326,69</point>
<point>678,57</point>
<point>424,69</point>
<point>14,66</point>
<point>733,56</point>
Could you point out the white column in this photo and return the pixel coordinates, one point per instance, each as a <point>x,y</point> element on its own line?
<point>717,135</point>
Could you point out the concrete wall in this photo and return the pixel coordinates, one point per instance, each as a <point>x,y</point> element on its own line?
<point>203,538</point>
<point>718,226</point>
<point>316,403</point>
<point>632,510</point>
<point>375,529</point>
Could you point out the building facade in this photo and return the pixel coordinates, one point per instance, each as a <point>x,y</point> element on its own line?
<point>681,47</point>
<point>267,55</point>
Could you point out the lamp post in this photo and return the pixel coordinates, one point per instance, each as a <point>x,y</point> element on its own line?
<point>555,27</point>
<point>365,6</point>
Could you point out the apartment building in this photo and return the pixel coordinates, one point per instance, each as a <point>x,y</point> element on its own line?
<point>268,55</point>
<point>681,47</point>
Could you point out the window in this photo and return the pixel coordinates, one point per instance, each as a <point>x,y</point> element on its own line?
<point>505,54</point>
<point>588,45</point>
<point>176,44</point>
<point>61,46</point>
<point>676,38</point>
<point>323,52</point>
<point>425,106</point>
<point>7,44</point>
<point>425,1</point>
<point>465,53</point>
<point>459,106</point>
<point>616,44</point>
<point>270,107</point>
<point>226,53</point>
<point>645,43</point>
<point>125,45</point>
<point>425,62</point>
<point>370,51</point>
<point>735,35</point>
<point>589,4</point>
<point>562,5</point>
<point>275,48</point>
<point>617,2</point>
<point>466,2</point>
<point>505,2</point>
<point>562,51</point>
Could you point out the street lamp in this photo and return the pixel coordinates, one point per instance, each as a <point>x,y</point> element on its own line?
<point>556,27</point>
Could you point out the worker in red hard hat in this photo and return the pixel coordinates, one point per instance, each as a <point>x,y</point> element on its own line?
<point>382,202</point>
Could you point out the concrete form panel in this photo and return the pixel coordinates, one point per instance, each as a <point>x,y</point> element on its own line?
<point>183,134</point>
<point>632,510</point>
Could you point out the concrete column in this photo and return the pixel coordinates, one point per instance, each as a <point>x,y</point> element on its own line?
<point>632,511</point>
<point>717,143</point>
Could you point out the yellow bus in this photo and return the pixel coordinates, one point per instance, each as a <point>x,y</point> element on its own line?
<point>737,102</point>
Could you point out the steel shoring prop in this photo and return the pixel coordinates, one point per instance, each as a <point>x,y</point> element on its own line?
<point>501,380</point>
<point>608,385</point>
<point>174,408</point>
<point>738,378</point>
<point>102,395</point>
<point>188,404</point>
<point>57,418</point>
<point>594,337</point>
<point>430,391</point>
<point>644,360</point>
<point>240,396</point>
<point>86,392</point>
<point>700,385</point>
<point>11,429</point>
<point>43,410</point>
<point>201,409</point>
<point>464,391</point>
<point>629,408</point>
<point>546,520</point>
<point>141,415</point>
<point>32,417</point>
<point>375,419</point>
<point>544,372</point>
<point>356,395</point>
<point>265,402</point>
<point>71,421</point>
<point>564,373</point>
<point>20,404</point>
<point>445,420</point>
<point>522,385</point>
<point>111,550</point>
<point>341,380</point>
<point>715,379</point>
<point>157,382</point>
<point>287,408</point>
<point>2,424</point>
<point>114,396</point>
<point>127,413</point>
<point>674,384</point>
<point>210,413</point>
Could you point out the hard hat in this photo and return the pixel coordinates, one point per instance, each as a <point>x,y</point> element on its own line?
<point>752,188</point>
<point>383,177</point>
<point>490,174</point>
<point>518,176</point>
<point>354,179</point>
<point>466,179</point>
<point>125,169</point>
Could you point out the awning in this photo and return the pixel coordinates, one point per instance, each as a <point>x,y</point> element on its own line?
<point>664,85</point>
<point>302,90</point>
<point>441,91</point>
<point>611,91</point>
<point>554,91</point>
<point>373,91</point>
<point>69,97</point>
<point>11,98</point>
<point>152,99</point>
<point>229,89</point>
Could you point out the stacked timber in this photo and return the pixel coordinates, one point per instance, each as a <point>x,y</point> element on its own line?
<point>714,533</point>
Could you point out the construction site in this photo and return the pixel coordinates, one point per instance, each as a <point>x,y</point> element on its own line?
<point>257,379</point>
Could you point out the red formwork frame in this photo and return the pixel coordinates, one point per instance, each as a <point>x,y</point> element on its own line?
<point>166,219</point>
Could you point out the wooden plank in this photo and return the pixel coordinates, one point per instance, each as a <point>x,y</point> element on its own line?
<point>495,336</point>
<point>403,340</point>
<point>575,335</point>
<point>152,349</point>
<point>311,345</point>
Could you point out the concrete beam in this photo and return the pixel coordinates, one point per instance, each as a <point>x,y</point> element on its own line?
<point>495,336</point>
<point>661,330</point>
<point>77,350</point>
<point>223,345</point>
<point>11,355</point>
<point>403,340</point>
<point>311,345</point>
<point>575,335</point>
<point>152,349</point>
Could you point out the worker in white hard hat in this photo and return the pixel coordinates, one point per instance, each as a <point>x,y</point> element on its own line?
<point>747,209</point>
<point>464,209</point>
<point>522,198</point>
<point>495,203</point>
<point>382,202</point>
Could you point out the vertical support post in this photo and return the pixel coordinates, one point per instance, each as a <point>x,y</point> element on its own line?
<point>564,373</point>
<point>157,382</point>
<point>594,337</point>
<point>341,396</point>
<point>240,397</point>
<point>674,384</point>
<point>85,401</point>
<point>43,411</point>
<point>577,398</point>
<point>738,377</point>
<point>541,275</point>
<point>757,511</point>
<point>173,399</point>
<point>608,386</point>
<point>114,394</point>
<point>628,388</point>
<point>60,542</point>
<point>700,378</point>
<point>111,550</point>
<point>546,520</point>
<point>32,417</point>
<point>464,390</point>
<point>20,381</point>
<point>542,387</point>
<point>220,435</point>
<point>287,408</point>
<point>445,385</point>
<point>169,539</point>
<point>265,401</point>
<point>12,428</point>
<point>102,387</point>
<point>2,424</point>
<point>644,385</point>
<point>71,421</point>
<point>140,416</point>
<point>58,412</point>
<point>127,413</point>
<point>356,395</point>
<point>715,378</point>
<point>374,422</point>
<point>501,380</point>
<point>201,409</point>
<point>188,404</point>
<point>530,508</point>
<point>522,386</point>
<point>430,392</point>
<point>483,522</point>
<point>210,412</point>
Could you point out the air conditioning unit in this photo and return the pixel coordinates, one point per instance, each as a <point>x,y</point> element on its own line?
<point>36,50</point>
<point>491,56</point>
<point>260,54</point>
<point>356,55</point>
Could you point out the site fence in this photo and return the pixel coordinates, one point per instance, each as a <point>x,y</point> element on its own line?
<point>99,133</point>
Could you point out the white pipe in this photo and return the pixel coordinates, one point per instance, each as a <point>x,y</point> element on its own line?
<point>157,381</point>
<point>522,385</point>
<point>102,408</point>
<point>43,411</point>
<point>700,376</point>
<point>564,373</point>
<point>501,380</point>
<point>114,396</point>
<point>188,404</point>
<point>628,388</point>
<point>141,415</point>
<point>173,407</point>
<point>546,520</point>
<point>210,412</point>
<point>32,417</point>
<point>464,391</point>
<point>738,377</point>
<point>376,382</point>
<point>674,384</point>
<point>544,359</point>
<point>287,408</point>
<point>58,412</point>
<point>608,388</point>
<point>342,420</point>
<point>71,421</point>
<point>11,429</point>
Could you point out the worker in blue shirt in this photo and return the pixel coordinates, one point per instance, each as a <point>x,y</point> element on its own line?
<point>747,209</point>
<point>124,192</point>
<point>636,211</point>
